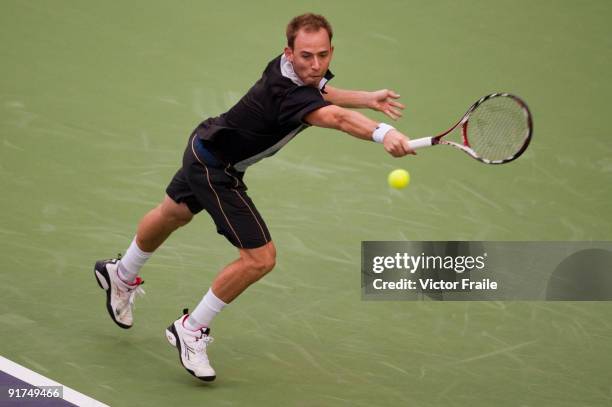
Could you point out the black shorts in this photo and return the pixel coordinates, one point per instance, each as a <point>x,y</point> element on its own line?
<point>205,183</point>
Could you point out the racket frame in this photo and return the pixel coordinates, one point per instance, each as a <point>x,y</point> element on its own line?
<point>464,122</point>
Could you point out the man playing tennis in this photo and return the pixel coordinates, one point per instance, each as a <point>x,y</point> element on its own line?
<point>291,95</point>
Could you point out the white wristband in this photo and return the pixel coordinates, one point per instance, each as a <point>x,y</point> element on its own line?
<point>379,133</point>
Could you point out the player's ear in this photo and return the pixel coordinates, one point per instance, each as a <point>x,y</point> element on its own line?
<point>289,54</point>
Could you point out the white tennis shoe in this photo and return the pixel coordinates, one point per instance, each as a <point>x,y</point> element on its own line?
<point>191,346</point>
<point>119,295</point>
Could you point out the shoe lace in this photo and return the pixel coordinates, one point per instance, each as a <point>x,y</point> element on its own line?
<point>137,291</point>
<point>199,346</point>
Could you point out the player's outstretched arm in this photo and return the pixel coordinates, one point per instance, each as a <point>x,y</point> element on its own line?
<point>360,126</point>
<point>381,100</point>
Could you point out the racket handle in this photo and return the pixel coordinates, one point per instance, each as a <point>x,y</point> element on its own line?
<point>420,143</point>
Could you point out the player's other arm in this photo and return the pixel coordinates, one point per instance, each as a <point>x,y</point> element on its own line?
<point>358,125</point>
<point>381,100</point>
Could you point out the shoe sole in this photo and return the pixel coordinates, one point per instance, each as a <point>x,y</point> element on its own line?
<point>173,339</point>
<point>103,280</point>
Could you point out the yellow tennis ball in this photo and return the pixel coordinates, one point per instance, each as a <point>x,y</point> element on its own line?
<point>398,179</point>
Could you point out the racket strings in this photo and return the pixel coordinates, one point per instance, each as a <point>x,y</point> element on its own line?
<point>497,129</point>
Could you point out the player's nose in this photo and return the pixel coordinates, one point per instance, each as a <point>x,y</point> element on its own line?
<point>316,64</point>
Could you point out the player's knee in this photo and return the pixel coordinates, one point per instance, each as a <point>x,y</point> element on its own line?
<point>269,259</point>
<point>261,263</point>
<point>261,266</point>
<point>268,264</point>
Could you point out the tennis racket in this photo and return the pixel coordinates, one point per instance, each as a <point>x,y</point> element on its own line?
<point>496,129</point>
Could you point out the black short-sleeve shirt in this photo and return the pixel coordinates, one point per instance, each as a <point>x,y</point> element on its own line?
<point>265,119</point>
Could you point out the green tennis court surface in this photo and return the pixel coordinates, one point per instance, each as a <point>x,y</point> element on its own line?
<point>97,101</point>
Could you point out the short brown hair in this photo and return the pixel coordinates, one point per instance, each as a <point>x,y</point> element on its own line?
<point>309,22</point>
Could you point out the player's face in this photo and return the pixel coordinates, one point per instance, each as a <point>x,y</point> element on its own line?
<point>310,56</point>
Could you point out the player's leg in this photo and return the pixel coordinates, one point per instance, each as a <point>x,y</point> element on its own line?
<point>252,265</point>
<point>119,278</point>
<point>239,221</point>
<point>153,230</point>
<point>231,281</point>
<point>191,333</point>
<point>222,193</point>
<point>159,223</point>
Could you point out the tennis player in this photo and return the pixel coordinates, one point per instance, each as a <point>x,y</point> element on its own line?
<point>292,94</point>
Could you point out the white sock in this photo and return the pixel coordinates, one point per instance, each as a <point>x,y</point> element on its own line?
<point>132,262</point>
<point>204,313</point>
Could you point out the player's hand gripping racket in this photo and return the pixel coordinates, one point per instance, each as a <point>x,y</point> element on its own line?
<point>495,130</point>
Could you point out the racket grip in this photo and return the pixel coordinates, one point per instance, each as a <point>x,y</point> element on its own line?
<point>420,143</point>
